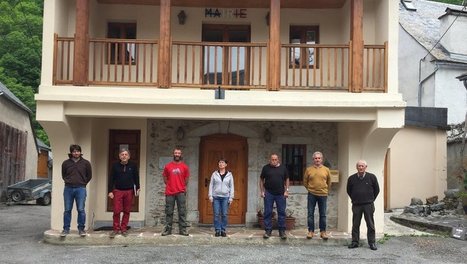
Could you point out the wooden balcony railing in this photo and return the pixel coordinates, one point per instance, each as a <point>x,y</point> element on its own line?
<point>229,65</point>
<point>213,64</point>
<point>315,66</point>
<point>111,62</point>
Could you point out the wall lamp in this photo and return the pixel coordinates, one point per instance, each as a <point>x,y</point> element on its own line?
<point>181,17</point>
<point>180,134</point>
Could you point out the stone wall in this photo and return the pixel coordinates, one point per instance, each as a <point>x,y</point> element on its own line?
<point>163,138</point>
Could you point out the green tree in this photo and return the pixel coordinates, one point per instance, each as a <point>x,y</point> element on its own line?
<point>454,2</point>
<point>20,51</point>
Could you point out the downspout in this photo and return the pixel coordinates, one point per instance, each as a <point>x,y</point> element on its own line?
<point>420,82</point>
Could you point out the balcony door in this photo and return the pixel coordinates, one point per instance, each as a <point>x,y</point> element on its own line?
<point>226,60</point>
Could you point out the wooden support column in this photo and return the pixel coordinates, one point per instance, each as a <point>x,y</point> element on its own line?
<point>164,65</point>
<point>274,54</point>
<point>356,35</point>
<point>81,55</point>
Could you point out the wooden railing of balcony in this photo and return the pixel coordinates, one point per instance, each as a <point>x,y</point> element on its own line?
<point>63,60</point>
<point>213,64</point>
<point>229,65</point>
<point>315,66</point>
<point>375,59</point>
<point>111,62</point>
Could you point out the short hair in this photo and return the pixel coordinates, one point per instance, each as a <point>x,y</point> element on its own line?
<point>363,162</point>
<point>74,147</point>
<point>124,150</point>
<point>317,153</point>
<point>224,160</point>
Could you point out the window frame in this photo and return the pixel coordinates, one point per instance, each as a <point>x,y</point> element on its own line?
<point>304,52</point>
<point>295,174</point>
<point>124,29</point>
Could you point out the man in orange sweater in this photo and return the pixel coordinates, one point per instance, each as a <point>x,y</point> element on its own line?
<point>317,180</point>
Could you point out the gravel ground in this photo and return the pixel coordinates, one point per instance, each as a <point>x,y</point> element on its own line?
<point>21,228</point>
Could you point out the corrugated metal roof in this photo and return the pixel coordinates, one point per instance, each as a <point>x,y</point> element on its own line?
<point>424,25</point>
<point>11,97</point>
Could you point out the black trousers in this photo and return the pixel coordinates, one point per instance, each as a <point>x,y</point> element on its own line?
<point>367,210</point>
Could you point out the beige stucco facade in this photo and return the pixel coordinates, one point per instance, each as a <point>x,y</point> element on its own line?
<point>420,170</point>
<point>365,123</point>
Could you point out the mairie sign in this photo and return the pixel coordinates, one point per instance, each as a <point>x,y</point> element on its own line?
<point>225,13</point>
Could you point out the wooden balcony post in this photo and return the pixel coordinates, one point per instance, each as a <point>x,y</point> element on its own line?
<point>164,65</point>
<point>81,55</point>
<point>274,51</point>
<point>356,35</point>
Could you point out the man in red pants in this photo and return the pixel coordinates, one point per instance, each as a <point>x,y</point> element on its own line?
<point>124,185</point>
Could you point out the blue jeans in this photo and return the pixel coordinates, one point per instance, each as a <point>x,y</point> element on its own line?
<point>312,199</point>
<point>269,200</point>
<point>220,206</point>
<point>71,194</point>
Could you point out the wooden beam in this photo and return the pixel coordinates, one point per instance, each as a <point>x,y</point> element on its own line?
<point>274,51</point>
<point>164,65</point>
<point>81,55</point>
<point>356,31</point>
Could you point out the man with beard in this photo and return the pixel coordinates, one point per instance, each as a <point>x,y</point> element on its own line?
<point>175,174</point>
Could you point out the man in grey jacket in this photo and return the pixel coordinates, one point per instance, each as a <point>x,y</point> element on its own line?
<point>221,194</point>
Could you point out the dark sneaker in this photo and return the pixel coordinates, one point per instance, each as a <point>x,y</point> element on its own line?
<point>223,234</point>
<point>217,234</point>
<point>113,234</point>
<point>184,233</point>
<point>64,233</point>
<point>373,246</point>
<point>353,245</point>
<point>166,232</point>
<point>82,233</point>
<point>267,234</point>
<point>125,233</point>
<point>282,234</point>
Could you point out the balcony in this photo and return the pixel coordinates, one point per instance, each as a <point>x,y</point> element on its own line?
<point>231,65</point>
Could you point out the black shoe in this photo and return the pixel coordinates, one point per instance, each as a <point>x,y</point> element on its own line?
<point>218,234</point>
<point>64,233</point>
<point>373,246</point>
<point>223,234</point>
<point>282,234</point>
<point>167,232</point>
<point>353,245</point>
<point>267,234</point>
<point>183,233</point>
<point>82,233</point>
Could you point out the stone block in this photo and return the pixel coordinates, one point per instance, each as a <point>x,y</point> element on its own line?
<point>416,201</point>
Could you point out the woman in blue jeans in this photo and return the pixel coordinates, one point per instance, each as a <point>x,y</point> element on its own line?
<point>221,194</point>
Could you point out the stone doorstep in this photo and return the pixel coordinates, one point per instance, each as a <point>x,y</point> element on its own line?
<point>200,236</point>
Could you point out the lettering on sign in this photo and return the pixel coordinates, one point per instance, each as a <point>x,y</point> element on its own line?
<point>225,13</point>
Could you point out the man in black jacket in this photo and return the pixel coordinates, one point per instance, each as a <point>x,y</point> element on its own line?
<point>363,188</point>
<point>123,186</point>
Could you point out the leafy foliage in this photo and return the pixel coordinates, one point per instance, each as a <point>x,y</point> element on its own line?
<point>454,2</point>
<point>20,51</point>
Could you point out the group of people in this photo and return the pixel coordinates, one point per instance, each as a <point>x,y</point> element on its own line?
<point>362,188</point>
<point>124,185</point>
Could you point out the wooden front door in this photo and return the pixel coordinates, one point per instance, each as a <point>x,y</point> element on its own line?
<point>119,139</point>
<point>235,150</point>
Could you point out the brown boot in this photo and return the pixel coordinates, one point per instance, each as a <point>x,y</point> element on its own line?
<point>310,235</point>
<point>324,235</point>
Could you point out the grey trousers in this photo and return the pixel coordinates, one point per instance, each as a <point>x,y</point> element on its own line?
<point>170,200</point>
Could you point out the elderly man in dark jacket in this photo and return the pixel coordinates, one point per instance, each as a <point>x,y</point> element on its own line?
<point>363,188</point>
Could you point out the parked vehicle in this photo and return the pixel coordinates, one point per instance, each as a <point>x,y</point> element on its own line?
<point>33,189</point>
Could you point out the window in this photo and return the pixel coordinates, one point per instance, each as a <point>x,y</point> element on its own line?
<point>303,57</point>
<point>294,159</point>
<point>121,52</point>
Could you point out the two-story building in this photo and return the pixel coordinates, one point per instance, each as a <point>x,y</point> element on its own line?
<point>234,79</point>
